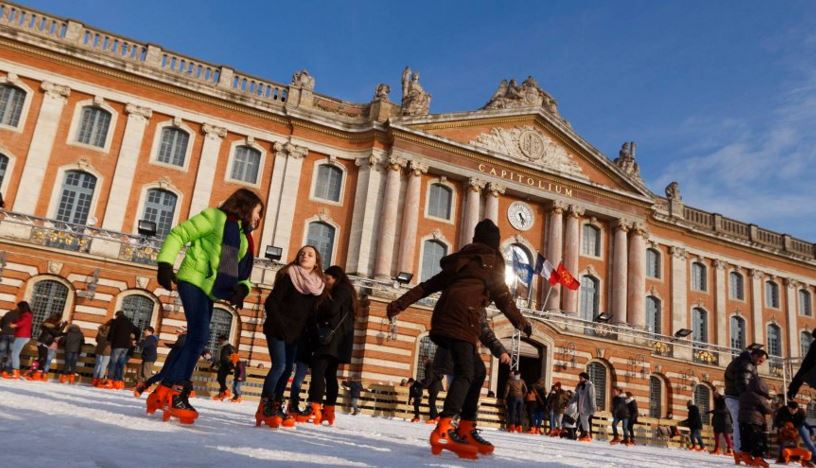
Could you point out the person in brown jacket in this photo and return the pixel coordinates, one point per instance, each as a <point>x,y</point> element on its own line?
<point>754,407</point>
<point>514,400</point>
<point>470,279</point>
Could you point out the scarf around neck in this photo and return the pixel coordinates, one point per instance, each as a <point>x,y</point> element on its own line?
<point>306,282</point>
<point>231,269</point>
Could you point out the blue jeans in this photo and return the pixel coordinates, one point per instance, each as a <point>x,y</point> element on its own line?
<point>49,356</point>
<point>555,420</point>
<point>118,359</point>
<point>514,408</point>
<point>301,369</point>
<point>615,421</point>
<point>16,349</point>
<point>70,363</point>
<point>805,433</point>
<point>5,351</point>
<point>696,438</point>
<point>283,359</point>
<point>236,387</point>
<point>101,366</point>
<point>198,309</point>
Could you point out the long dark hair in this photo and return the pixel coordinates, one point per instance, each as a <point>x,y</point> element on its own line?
<point>318,268</point>
<point>342,279</point>
<point>241,203</point>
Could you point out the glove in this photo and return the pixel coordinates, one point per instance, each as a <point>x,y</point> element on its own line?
<point>393,309</point>
<point>527,329</point>
<point>239,292</point>
<point>166,277</point>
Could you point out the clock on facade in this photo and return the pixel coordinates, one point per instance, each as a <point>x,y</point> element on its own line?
<point>520,215</point>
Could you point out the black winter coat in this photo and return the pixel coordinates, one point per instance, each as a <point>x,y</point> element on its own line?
<point>633,411</point>
<point>73,341</point>
<point>739,374</point>
<point>287,311</point>
<point>336,313</point>
<point>755,403</point>
<point>806,372</point>
<point>619,408</point>
<point>150,348</point>
<point>721,417</point>
<point>783,415</point>
<point>224,360</point>
<point>415,393</point>
<point>49,332</point>
<point>5,323</point>
<point>694,420</point>
<point>121,333</point>
<point>433,379</point>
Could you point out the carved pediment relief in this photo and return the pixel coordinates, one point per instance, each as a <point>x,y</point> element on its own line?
<point>528,145</point>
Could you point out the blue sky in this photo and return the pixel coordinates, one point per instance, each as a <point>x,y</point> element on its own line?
<point>720,96</point>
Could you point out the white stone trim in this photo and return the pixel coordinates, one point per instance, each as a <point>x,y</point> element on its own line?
<point>437,237</point>
<point>157,137</point>
<point>14,80</point>
<point>162,185</point>
<point>443,181</point>
<point>59,179</point>
<point>76,119</point>
<point>12,159</point>
<point>331,162</point>
<point>154,316</point>
<point>249,141</point>
<point>326,219</point>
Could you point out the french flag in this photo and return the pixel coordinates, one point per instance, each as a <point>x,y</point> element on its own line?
<point>546,269</point>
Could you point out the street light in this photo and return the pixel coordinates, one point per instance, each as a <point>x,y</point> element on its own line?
<point>146,228</point>
<point>273,253</point>
<point>404,277</point>
<point>682,333</point>
<point>603,317</point>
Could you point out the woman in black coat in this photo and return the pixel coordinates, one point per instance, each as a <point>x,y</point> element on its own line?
<point>332,338</point>
<point>721,424</point>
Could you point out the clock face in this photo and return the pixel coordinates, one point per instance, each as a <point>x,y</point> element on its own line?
<point>520,216</point>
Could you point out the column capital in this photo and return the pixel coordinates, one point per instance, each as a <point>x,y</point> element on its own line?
<point>138,112</point>
<point>754,273</point>
<point>214,133</point>
<point>558,207</point>
<point>291,151</point>
<point>575,211</point>
<point>476,185</point>
<point>495,189</point>
<point>395,163</point>
<point>792,283</point>
<point>417,168</point>
<point>622,224</point>
<point>375,158</point>
<point>678,252</point>
<point>638,228</point>
<point>55,91</point>
<point>719,264</point>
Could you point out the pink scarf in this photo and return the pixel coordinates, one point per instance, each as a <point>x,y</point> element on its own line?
<point>306,282</point>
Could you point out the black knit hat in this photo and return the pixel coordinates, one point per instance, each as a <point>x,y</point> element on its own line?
<point>487,233</point>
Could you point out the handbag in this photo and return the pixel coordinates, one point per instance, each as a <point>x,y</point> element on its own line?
<point>325,334</point>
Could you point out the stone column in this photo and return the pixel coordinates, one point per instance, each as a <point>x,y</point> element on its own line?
<point>620,262</point>
<point>126,167</point>
<point>492,204</point>
<point>367,199</point>
<point>388,218</point>
<point>572,236</point>
<point>39,150</point>
<point>555,249</point>
<point>287,203</point>
<point>679,291</point>
<point>273,197</point>
<point>410,216</point>
<point>791,315</point>
<point>207,163</point>
<point>720,311</point>
<point>757,293</point>
<point>472,207</point>
<point>636,296</point>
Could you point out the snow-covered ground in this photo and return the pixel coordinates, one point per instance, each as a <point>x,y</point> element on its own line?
<point>52,425</point>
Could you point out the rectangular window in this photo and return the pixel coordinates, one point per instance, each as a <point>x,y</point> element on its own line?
<point>591,244</point>
<point>771,294</point>
<point>93,129</point>
<point>246,164</point>
<point>805,306</point>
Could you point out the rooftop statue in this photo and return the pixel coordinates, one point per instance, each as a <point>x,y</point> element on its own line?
<point>415,100</point>
<point>511,95</point>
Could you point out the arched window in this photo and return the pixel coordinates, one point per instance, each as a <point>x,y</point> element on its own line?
<point>4,160</point>
<point>737,286</point>
<point>655,397</point>
<point>321,235</point>
<point>49,297</point>
<point>699,325</point>
<point>698,277</point>
<point>432,253</point>
<point>597,375</point>
<point>75,200</point>
<point>774,340</point>
<point>652,263</point>
<point>702,398</point>
<point>589,297</point>
<point>805,305</point>
<point>737,333</point>
<point>653,315</point>
<point>771,294</point>
<point>12,99</point>
<point>139,309</point>
<point>515,279</point>
<point>805,339</point>
<point>246,164</point>
<point>329,182</point>
<point>427,348</point>
<point>173,147</point>
<point>93,128</point>
<point>221,324</point>
<point>591,244</point>
<point>440,199</point>
<point>160,207</point>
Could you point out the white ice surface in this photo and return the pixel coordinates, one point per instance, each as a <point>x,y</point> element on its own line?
<point>53,425</point>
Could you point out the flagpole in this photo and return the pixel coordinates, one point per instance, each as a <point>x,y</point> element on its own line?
<point>544,305</point>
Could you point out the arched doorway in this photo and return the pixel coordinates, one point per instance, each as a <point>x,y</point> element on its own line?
<point>532,364</point>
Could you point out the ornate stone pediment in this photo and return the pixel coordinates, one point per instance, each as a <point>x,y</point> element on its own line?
<point>530,146</point>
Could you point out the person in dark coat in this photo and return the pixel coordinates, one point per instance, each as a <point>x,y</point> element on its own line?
<point>620,413</point>
<point>150,348</point>
<point>738,375</point>
<point>415,392</point>
<point>694,422</point>
<point>721,424</point>
<point>121,334</point>
<point>631,404</point>
<point>789,421</point>
<point>755,406</point>
<point>556,403</point>
<point>355,388</point>
<point>290,306</point>
<point>806,372</point>
<point>333,340</point>
<point>470,279</point>
<point>102,352</point>
<point>72,344</point>
<point>7,338</point>
<point>433,383</point>
<point>225,368</point>
<point>50,331</point>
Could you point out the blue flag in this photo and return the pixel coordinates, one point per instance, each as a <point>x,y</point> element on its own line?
<point>523,270</point>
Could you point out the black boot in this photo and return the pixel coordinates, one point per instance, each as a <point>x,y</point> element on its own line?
<point>181,399</point>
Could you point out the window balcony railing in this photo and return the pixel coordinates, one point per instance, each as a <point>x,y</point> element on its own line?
<point>775,366</point>
<point>704,355</point>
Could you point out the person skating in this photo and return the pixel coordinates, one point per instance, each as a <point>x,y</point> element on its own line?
<point>50,331</point>
<point>355,389</point>
<point>513,396</point>
<point>620,413</point>
<point>470,279</point>
<point>6,340</point>
<point>754,407</point>
<point>103,352</point>
<point>239,376</point>
<point>531,407</point>
<point>415,393</point>
<point>216,266</point>
<point>792,415</point>
<point>694,421</point>
<point>542,412</point>
<point>433,384</point>
<point>722,425</point>
<point>291,304</point>
<point>333,341</point>
<point>150,352</point>
<point>570,417</point>
<point>153,403</point>
<point>806,372</point>
<point>737,375</point>
<point>72,344</point>
<point>556,403</point>
<point>120,335</point>
<point>22,335</point>
<point>225,367</point>
<point>631,403</point>
<point>584,396</point>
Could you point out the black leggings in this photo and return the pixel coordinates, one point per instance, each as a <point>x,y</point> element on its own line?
<point>324,380</point>
<point>468,377</point>
<point>223,372</point>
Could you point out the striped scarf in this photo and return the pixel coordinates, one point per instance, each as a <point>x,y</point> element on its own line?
<point>231,270</point>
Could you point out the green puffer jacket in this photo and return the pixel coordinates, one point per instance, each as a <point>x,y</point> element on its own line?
<point>204,232</point>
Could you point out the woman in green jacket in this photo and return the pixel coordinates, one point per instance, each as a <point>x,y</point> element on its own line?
<point>216,266</point>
